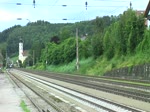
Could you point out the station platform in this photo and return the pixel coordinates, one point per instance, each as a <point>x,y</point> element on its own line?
<point>9,99</point>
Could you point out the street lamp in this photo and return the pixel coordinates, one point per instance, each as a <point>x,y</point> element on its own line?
<point>28,20</point>
<point>23,19</point>
<point>64,19</point>
<point>19,18</point>
<point>64,5</point>
<point>18,3</point>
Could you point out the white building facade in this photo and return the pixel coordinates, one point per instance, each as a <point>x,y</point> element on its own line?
<point>21,52</point>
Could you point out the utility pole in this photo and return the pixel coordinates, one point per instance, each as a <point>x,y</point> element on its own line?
<point>33,57</point>
<point>130,5</point>
<point>6,58</point>
<point>77,50</point>
<point>46,56</point>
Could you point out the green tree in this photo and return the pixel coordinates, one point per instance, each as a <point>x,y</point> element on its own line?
<point>97,45</point>
<point>65,33</point>
<point>85,48</point>
<point>36,50</point>
<point>131,29</point>
<point>69,50</point>
<point>123,36</point>
<point>144,46</point>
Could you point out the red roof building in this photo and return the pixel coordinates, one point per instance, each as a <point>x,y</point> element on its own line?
<point>146,13</point>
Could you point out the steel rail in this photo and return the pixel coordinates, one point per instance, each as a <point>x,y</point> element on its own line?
<point>119,105</point>
<point>136,94</point>
<point>53,105</point>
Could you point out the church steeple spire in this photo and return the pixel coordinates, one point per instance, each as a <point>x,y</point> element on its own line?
<point>20,41</point>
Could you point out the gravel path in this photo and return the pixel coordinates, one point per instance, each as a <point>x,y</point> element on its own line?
<point>9,100</point>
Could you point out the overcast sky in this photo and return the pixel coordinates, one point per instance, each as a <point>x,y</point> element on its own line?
<point>54,12</point>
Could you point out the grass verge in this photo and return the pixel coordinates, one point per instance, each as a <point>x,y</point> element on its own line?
<point>129,82</point>
<point>99,66</point>
<point>24,106</point>
<point>71,67</point>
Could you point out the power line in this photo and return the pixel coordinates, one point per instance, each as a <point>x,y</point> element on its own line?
<point>111,0</point>
<point>82,16</point>
<point>54,5</point>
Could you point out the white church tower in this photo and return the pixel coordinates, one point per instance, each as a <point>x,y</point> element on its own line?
<point>20,49</point>
<point>21,52</point>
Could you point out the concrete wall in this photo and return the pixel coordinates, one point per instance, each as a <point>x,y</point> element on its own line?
<point>136,72</point>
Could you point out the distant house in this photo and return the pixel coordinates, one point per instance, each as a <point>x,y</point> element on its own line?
<point>83,37</point>
<point>141,12</point>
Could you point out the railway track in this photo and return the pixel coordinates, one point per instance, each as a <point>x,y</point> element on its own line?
<point>100,105</point>
<point>29,90</point>
<point>136,91</point>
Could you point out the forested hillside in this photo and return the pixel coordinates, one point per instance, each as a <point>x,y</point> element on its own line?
<point>111,42</point>
<point>37,35</point>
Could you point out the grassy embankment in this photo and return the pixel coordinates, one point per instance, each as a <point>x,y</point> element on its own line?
<point>99,66</point>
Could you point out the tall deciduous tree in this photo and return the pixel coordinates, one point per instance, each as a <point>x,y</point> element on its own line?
<point>123,37</point>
